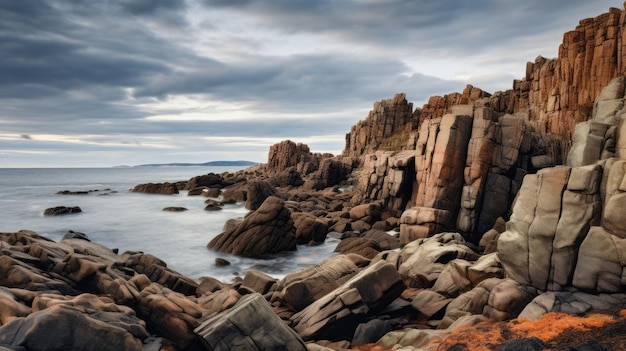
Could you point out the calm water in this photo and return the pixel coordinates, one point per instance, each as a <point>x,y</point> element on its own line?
<point>133,221</point>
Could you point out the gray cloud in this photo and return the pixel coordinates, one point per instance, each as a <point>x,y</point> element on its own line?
<point>293,68</point>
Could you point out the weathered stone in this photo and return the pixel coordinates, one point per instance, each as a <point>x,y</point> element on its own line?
<point>268,230</point>
<point>204,181</point>
<point>64,328</point>
<point>362,246</point>
<point>424,259</point>
<point>289,154</point>
<point>615,200</point>
<point>600,265</point>
<point>257,192</point>
<point>309,228</point>
<point>259,282</point>
<point>156,188</point>
<point>303,287</point>
<point>249,325</point>
<point>365,294</point>
<point>61,210</point>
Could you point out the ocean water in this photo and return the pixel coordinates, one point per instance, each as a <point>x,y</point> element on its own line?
<point>120,219</point>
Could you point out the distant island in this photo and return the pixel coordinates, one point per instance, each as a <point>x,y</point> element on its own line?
<point>212,163</point>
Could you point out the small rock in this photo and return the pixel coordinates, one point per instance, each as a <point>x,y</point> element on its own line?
<point>220,262</point>
<point>175,209</point>
<point>61,210</point>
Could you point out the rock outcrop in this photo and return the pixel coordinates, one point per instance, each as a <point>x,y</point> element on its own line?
<point>265,231</point>
<point>156,188</point>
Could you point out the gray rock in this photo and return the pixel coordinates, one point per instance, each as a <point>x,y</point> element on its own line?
<point>249,325</point>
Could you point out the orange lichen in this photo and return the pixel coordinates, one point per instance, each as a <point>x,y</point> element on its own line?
<point>490,335</point>
<point>553,324</point>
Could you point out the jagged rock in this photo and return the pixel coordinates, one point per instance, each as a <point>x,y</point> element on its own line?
<point>388,177</point>
<point>287,177</point>
<point>235,193</point>
<point>303,287</point>
<point>615,198</point>
<point>156,188</point>
<point>309,228</point>
<point>249,325</point>
<point>257,192</point>
<point>387,118</point>
<point>61,210</point>
<point>265,231</point>
<point>289,154</point>
<point>331,172</point>
<point>337,314</point>
<point>62,327</point>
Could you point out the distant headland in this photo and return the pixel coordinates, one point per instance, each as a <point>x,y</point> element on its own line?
<point>211,163</point>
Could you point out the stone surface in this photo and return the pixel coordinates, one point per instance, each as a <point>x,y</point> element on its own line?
<point>156,188</point>
<point>257,192</point>
<point>338,313</point>
<point>265,231</point>
<point>249,325</point>
<point>61,210</point>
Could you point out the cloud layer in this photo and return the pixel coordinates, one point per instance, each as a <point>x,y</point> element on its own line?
<point>143,81</point>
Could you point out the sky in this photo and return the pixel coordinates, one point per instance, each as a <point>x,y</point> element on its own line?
<point>129,82</point>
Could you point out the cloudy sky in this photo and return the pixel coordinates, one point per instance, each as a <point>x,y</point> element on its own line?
<point>112,82</point>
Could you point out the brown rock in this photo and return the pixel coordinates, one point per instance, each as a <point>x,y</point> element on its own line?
<point>156,188</point>
<point>265,231</point>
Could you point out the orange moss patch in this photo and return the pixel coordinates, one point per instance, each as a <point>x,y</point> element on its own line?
<point>491,335</point>
<point>554,324</point>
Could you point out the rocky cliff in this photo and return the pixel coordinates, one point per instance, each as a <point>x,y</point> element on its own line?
<point>556,93</point>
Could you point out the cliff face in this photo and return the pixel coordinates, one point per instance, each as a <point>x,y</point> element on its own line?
<point>556,93</point>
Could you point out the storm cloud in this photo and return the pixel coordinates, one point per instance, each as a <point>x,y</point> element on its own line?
<point>211,79</point>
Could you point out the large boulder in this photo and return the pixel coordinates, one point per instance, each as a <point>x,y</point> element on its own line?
<point>301,288</point>
<point>309,228</point>
<point>267,230</point>
<point>337,314</point>
<point>258,191</point>
<point>249,325</point>
<point>207,180</point>
<point>63,327</point>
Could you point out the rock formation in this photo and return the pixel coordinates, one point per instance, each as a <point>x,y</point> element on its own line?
<point>265,231</point>
<point>156,188</point>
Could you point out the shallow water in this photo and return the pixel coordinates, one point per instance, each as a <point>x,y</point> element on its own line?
<point>120,219</point>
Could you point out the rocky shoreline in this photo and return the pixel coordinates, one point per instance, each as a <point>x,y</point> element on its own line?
<point>506,220</point>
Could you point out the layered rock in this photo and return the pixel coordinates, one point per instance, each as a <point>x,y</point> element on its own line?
<point>386,121</point>
<point>267,230</point>
<point>156,188</point>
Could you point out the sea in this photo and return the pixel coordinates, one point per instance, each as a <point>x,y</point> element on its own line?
<point>117,218</point>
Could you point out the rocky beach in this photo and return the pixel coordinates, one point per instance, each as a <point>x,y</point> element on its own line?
<point>480,221</point>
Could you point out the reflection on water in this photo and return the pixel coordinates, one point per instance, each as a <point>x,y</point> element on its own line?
<point>134,221</point>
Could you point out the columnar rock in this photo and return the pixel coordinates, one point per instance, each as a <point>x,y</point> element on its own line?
<point>265,231</point>
<point>388,118</point>
<point>439,164</point>
<point>553,213</point>
<point>289,154</point>
<point>389,177</point>
<point>596,138</point>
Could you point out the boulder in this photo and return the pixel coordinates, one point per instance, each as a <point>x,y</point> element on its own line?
<point>309,228</point>
<point>423,260</point>
<point>62,327</point>
<point>362,246</point>
<point>204,181</point>
<point>265,231</point>
<point>249,325</point>
<point>301,288</point>
<point>156,188</point>
<point>61,210</point>
<point>257,192</point>
<point>174,209</point>
<point>337,314</point>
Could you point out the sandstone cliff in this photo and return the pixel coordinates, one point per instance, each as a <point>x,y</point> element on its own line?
<point>556,93</point>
